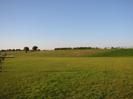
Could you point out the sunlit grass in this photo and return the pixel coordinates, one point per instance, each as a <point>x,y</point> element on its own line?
<point>35,77</point>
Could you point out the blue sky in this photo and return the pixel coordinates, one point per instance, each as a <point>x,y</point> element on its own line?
<point>66,23</point>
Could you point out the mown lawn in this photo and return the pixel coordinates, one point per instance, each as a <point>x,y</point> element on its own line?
<point>37,77</point>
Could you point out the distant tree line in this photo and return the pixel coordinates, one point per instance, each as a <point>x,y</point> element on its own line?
<point>26,49</point>
<point>35,48</point>
<point>87,48</point>
<point>63,48</point>
<point>76,48</point>
<point>11,50</point>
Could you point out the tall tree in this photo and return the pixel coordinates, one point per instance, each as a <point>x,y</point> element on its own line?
<point>26,49</point>
<point>34,48</point>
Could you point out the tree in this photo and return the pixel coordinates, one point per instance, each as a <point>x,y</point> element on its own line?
<point>26,49</point>
<point>34,48</point>
<point>18,49</point>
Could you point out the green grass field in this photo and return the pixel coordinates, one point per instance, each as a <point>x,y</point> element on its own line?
<point>67,75</point>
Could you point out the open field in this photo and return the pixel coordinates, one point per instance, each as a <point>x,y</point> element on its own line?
<point>38,75</point>
<point>78,53</point>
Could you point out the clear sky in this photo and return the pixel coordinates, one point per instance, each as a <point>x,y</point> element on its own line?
<point>66,23</point>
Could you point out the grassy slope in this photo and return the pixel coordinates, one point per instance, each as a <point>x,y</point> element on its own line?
<point>37,75</point>
<point>79,53</point>
<point>59,53</point>
<point>115,53</point>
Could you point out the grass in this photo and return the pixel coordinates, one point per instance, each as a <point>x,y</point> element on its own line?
<point>39,75</point>
<point>114,53</point>
<point>59,53</point>
<point>79,53</point>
